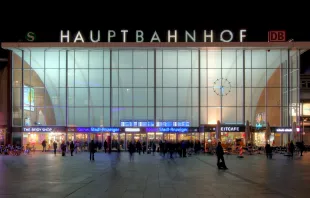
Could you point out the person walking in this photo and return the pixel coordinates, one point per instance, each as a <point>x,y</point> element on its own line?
<point>220,156</point>
<point>92,151</point>
<point>63,148</point>
<point>55,147</point>
<point>44,145</point>
<point>72,148</point>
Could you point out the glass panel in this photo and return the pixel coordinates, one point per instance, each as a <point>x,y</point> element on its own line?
<point>62,96</point>
<point>106,96</point>
<point>71,112</point>
<point>81,77</point>
<point>125,78</point>
<point>259,59</point>
<point>81,117</point>
<point>184,97</point>
<point>140,58</point>
<point>184,59</point>
<point>248,59</point>
<point>140,97</point>
<point>159,113</point>
<point>17,78</point>
<point>51,59</point>
<point>203,96</point>
<point>37,59</point>
<point>106,78</point>
<point>106,59</point>
<point>150,54</point>
<point>229,77</point>
<point>81,96</point>
<point>115,59</point>
<point>230,98</point>
<point>239,114</point>
<point>125,113</point>
<point>195,82</point>
<point>62,59</point>
<point>214,59</point>
<point>240,59</point>
<point>71,77</point>
<point>229,115</point>
<point>248,96</point>
<point>184,113</point>
<point>203,115</point>
<point>229,59</point>
<point>150,113</point>
<point>125,96</point>
<point>125,58</point>
<point>184,78</point>
<point>195,96</point>
<point>195,59</point>
<point>170,78</point>
<point>159,97</point>
<point>170,96</point>
<point>213,98</point>
<point>114,97</point>
<point>213,76</point>
<point>169,59</point>
<point>114,78</point>
<point>96,97</point>
<point>62,78</point>
<point>169,113</point>
<point>273,58</point>
<point>203,59</point>
<point>51,77</point>
<point>96,78</point>
<point>139,113</point>
<point>248,78</point>
<point>106,116</point>
<point>96,116</point>
<point>16,60</point>
<point>81,59</point>
<point>140,77</point>
<point>240,78</point>
<point>96,59</point>
<point>71,55</point>
<point>159,77</point>
<point>240,97</point>
<point>159,59</point>
<point>214,114</point>
<point>150,78</point>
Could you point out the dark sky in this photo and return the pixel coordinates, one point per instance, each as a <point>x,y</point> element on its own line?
<point>257,28</point>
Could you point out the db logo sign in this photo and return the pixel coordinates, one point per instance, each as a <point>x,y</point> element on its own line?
<point>276,36</point>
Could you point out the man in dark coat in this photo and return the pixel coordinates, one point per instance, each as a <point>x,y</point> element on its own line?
<point>92,150</point>
<point>55,147</point>
<point>220,156</point>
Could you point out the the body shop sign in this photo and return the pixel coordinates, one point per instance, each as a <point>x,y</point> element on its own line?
<point>43,129</point>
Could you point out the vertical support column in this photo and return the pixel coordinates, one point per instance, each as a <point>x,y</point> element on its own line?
<point>177,88</point>
<point>266,89</point>
<point>298,94</point>
<point>111,90</point>
<point>288,88</point>
<point>88,90</point>
<point>155,102</point>
<point>8,134</point>
<point>243,87</point>
<point>67,116</point>
<point>199,91</point>
<point>221,88</point>
<point>22,93</point>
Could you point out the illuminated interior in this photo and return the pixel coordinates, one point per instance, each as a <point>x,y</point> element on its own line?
<point>132,85</point>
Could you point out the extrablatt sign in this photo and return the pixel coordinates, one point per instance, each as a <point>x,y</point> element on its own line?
<point>277,36</point>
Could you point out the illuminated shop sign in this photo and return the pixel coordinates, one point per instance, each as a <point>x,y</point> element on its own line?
<point>42,129</point>
<point>132,129</point>
<point>140,36</point>
<point>284,130</point>
<point>240,128</point>
<point>172,129</point>
<point>97,129</point>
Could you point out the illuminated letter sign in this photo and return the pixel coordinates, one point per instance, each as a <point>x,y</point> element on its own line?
<point>97,129</point>
<point>151,129</point>
<point>132,129</point>
<point>38,129</point>
<point>139,36</point>
<point>230,129</point>
<point>284,130</point>
<point>173,129</point>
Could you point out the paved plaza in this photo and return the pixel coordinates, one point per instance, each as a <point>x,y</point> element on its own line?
<point>114,176</point>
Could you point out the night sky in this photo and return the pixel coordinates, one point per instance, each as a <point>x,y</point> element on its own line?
<point>257,30</point>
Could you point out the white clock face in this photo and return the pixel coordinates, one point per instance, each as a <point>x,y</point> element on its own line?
<point>222,87</point>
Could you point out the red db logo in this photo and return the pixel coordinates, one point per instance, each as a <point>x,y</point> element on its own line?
<point>276,36</point>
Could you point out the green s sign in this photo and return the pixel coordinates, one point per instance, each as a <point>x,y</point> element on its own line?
<point>30,36</point>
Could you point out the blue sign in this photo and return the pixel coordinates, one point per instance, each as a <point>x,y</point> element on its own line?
<point>150,123</point>
<point>98,129</point>
<point>173,129</point>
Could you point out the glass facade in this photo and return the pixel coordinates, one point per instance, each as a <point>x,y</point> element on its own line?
<point>101,87</point>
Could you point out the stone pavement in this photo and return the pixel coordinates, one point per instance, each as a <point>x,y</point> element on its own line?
<point>114,176</point>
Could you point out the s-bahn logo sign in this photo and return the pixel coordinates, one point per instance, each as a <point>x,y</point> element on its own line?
<point>140,36</point>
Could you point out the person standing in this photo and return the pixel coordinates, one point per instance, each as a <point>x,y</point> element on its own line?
<point>44,146</point>
<point>55,147</point>
<point>92,151</point>
<point>72,148</point>
<point>105,146</point>
<point>131,149</point>
<point>302,147</point>
<point>220,156</point>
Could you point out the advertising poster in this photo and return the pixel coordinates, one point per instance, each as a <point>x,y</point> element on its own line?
<point>28,98</point>
<point>260,120</point>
